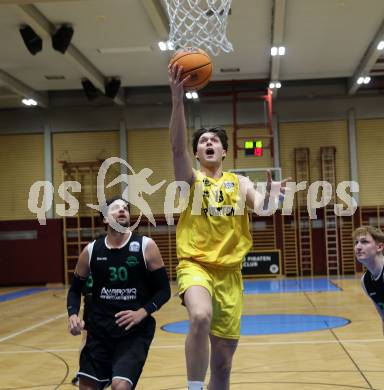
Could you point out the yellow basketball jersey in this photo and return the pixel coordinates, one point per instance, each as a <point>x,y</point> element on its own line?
<point>214,228</point>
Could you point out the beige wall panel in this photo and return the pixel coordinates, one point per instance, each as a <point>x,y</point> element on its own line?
<point>242,161</point>
<point>370,156</point>
<point>151,149</point>
<point>21,164</point>
<point>87,146</point>
<point>314,135</point>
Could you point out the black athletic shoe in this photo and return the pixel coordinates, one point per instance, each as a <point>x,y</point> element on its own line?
<point>75,381</point>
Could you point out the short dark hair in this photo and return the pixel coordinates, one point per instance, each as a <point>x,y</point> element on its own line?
<point>219,131</point>
<point>107,203</point>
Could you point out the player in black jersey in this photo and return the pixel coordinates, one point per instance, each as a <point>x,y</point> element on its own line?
<point>87,306</point>
<point>129,284</point>
<point>369,246</point>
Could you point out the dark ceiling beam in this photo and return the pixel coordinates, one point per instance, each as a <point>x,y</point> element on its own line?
<point>158,18</point>
<point>368,60</point>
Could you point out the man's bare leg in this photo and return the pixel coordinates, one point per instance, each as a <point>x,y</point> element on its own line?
<point>222,351</point>
<point>199,305</point>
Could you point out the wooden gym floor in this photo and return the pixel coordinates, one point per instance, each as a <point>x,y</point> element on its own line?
<point>36,351</point>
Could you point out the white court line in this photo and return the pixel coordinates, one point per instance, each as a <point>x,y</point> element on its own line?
<point>25,330</point>
<point>180,346</point>
<point>248,344</point>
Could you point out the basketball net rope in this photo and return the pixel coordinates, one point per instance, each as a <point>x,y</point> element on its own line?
<point>197,23</point>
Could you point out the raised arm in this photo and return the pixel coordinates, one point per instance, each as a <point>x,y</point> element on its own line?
<point>157,276</point>
<point>248,192</point>
<point>254,199</point>
<point>75,323</point>
<point>182,163</point>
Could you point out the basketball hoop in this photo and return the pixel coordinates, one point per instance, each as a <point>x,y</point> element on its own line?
<point>199,23</point>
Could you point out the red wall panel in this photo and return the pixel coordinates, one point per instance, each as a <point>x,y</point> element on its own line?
<point>32,261</point>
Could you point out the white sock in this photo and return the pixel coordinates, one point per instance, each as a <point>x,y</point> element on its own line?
<point>195,385</point>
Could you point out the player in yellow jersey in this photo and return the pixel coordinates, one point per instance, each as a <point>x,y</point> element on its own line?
<point>212,238</point>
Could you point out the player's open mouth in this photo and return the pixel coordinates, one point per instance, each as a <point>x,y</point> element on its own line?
<point>209,152</point>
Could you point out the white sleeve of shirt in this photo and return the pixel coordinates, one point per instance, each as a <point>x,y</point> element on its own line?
<point>90,250</point>
<point>143,247</point>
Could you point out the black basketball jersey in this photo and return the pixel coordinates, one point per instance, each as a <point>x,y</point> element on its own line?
<point>375,288</point>
<point>87,289</point>
<point>120,282</point>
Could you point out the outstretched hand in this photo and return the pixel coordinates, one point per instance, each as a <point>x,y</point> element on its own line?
<point>276,189</point>
<point>175,81</point>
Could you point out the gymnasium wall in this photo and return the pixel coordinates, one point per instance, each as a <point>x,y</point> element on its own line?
<point>34,255</point>
<point>21,164</point>
<point>370,141</point>
<point>80,147</point>
<point>150,148</point>
<point>314,135</point>
<point>243,161</point>
<point>89,133</point>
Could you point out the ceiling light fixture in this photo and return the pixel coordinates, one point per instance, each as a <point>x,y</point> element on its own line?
<point>274,51</point>
<point>275,84</point>
<point>162,46</point>
<point>192,95</point>
<point>29,102</point>
<point>124,50</point>
<point>54,77</point>
<point>278,51</point>
<point>166,46</point>
<point>229,70</point>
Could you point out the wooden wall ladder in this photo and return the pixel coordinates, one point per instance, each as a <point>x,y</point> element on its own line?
<point>302,173</point>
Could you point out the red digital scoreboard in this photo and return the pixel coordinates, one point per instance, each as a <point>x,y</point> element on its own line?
<point>253,148</point>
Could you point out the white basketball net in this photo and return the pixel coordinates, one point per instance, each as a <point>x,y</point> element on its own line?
<point>197,23</point>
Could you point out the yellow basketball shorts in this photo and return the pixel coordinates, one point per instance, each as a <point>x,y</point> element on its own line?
<point>226,289</point>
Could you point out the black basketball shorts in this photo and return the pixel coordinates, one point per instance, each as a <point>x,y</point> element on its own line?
<point>103,359</point>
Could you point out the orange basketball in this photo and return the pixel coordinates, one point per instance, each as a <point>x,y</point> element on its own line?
<point>195,62</point>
